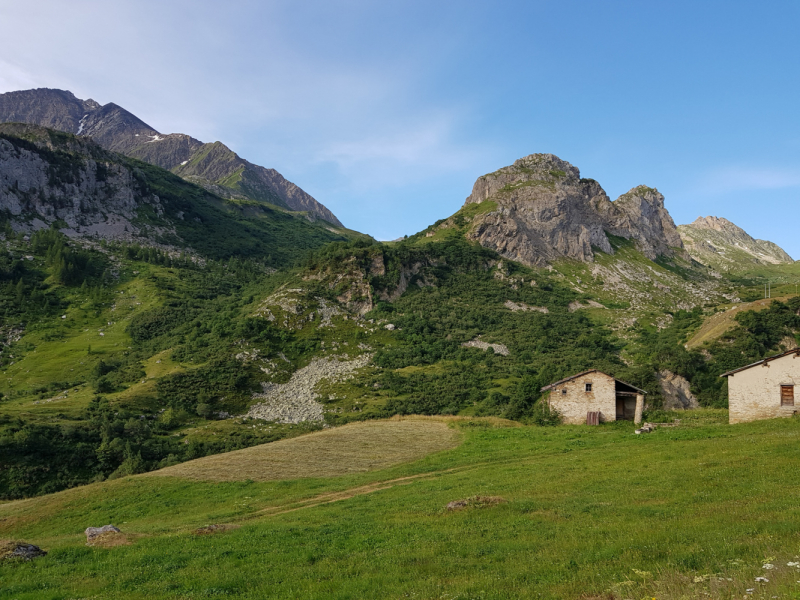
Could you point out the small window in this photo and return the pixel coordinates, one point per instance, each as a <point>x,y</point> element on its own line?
<point>787,395</point>
<point>588,387</point>
<point>564,391</point>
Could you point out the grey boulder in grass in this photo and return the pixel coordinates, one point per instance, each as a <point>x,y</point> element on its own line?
<point>93,532</point>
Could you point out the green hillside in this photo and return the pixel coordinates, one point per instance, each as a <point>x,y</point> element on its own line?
<point>120,359</point>
<point>572,512</point>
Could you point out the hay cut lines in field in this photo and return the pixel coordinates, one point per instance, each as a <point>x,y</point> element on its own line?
<point>353,448</point>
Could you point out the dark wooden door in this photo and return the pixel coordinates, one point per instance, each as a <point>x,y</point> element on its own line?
<point>787,395</point>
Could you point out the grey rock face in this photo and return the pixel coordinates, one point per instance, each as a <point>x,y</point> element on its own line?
<point>676,392</point>
<point>213,166</point>
<point>95,198</point>
<point>545,211</point>
<point>640,216</point>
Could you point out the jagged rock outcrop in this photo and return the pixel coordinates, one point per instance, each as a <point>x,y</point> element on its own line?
<point>546,211</point>
<point>718,243</point>
<point>213,166</point>
<point>675,391</point>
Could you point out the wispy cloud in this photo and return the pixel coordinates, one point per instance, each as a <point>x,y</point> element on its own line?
<point>741,179</point>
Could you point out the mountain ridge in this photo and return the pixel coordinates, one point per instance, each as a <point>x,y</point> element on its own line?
<point>546,211</point>
<point>119,130</point>
<point>718,243</point>
<point>53,179</point>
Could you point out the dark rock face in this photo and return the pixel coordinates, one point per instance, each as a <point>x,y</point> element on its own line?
<point>56,109</point>
<point>213,166</point>
<point>20,550</point>
<point>545,211</point>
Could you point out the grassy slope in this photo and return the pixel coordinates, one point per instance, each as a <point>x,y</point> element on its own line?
<point>589,510</point>
<point>718,324</point>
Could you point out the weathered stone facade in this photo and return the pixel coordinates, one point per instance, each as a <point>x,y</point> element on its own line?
<point>573,402</point>
<point>754,392</point>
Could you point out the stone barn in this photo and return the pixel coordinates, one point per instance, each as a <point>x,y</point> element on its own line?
<point>765,389</point>
<point>592,397</point>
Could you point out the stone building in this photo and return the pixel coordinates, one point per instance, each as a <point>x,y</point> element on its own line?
<point>765,389</point>
<point>593,396</point>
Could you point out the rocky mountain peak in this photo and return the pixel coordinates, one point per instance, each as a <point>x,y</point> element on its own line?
<point>718,243</point>
<point>545,166</point>
<point>717,224</point>
<point>641,216</point>
<point>546,211</point>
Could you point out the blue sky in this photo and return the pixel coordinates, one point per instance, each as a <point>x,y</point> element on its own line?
<point>388,112</point>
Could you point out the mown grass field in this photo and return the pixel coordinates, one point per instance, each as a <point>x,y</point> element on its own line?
<point>687,512</point>
<point>718,324</point>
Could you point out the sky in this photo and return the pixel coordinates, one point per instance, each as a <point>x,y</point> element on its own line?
<point>387,112</point>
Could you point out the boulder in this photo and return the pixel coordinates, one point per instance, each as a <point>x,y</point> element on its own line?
<point>676,391</point>
<point>20,550</point>
<point>93,532</point>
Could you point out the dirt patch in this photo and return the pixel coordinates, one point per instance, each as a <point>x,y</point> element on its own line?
<point>719,324</point>
<point>212,529</point>
<point>353,448</point>
<point>476,502</point>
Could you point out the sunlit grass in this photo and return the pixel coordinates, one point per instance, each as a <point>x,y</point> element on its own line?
<point>588,510</point>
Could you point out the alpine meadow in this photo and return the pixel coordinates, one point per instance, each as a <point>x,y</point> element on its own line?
<point>211,388</point>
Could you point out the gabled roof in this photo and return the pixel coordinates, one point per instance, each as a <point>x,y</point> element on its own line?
<point>763,361</point>
<point>571,377</point>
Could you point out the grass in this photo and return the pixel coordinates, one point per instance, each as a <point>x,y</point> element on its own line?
<point>589,513</point>
<point>718,324</point>
<point>353,448</point>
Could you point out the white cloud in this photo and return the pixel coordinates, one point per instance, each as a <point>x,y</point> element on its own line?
<point>392,156</point>
<point>740,179</point>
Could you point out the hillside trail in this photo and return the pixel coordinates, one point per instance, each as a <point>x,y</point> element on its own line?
<point>379,486</point>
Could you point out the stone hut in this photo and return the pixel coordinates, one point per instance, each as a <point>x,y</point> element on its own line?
<point>592,397</point>
<point>764,389</point>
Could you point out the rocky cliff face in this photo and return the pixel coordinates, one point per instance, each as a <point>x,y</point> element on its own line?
<point>720,244</point>
<point>213,166</point>
<point>50,178</point>
<point>72,181</point>
<point>546,211</point>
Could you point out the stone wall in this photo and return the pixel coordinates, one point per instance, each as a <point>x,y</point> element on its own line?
<point>756,392</point>
<point>576,402</point>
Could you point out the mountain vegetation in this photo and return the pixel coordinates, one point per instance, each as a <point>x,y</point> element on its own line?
<point>155,318</point>
<point>145,318</point>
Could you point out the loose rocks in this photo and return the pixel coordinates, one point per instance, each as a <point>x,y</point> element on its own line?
<point>295,402</point>
<point>476,343</point>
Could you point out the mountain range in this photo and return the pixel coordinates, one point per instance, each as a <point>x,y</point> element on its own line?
<point>211,165</point>
<point>720,244</point>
